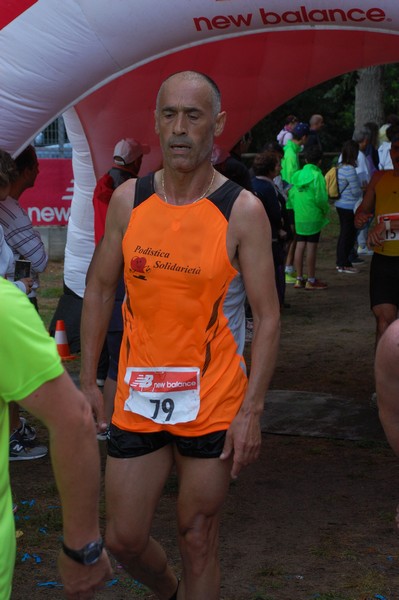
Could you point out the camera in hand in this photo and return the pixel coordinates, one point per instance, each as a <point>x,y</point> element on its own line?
<point>22,269</point>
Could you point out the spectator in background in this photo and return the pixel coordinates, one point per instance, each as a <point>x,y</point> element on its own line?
<point>27,244</point>
<point>267,167</point>
<point>316,123</point>
<point>128,156</point>
<point>350,190</point>
<point>384,154</point>
<point>392,119</point>
<point>286,133</point>
<point>309,200</point>
<point>8,173</point>
<point>371,150</point>
<point>364,169</point>
<point>278,180</point>
<point>291,165</point>
<point>232,166</point>
<point>24,241</point>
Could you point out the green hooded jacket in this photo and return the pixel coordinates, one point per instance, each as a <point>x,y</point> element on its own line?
<point>290,162</point>
<point>309,200</point>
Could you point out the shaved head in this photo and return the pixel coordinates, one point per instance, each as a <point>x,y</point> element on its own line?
<point>196,76</point>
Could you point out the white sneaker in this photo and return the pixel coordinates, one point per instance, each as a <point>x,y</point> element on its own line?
<point>365,251</point>
<point>349,270</point>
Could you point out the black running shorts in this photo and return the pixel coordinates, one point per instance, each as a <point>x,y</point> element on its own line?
<point>314,238</point>
<point>384,280</point>
<point>129,444</point>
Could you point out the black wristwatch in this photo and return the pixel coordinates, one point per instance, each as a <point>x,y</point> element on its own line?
<point>88,555</point>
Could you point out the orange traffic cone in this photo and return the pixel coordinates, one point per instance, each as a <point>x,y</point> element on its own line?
<point>62,341</point>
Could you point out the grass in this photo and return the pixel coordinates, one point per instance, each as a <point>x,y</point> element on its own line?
<point>51,288</point>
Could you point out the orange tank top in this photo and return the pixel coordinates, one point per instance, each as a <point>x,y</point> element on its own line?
<point>181,367</point>
<point>387,205</point>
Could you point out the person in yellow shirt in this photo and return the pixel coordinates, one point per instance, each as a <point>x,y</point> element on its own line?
<point>381,200</point>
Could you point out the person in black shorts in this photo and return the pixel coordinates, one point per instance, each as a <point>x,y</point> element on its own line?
<point>381,201</point>
<point>192,245</point>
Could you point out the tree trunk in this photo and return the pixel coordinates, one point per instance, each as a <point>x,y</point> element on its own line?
<point>369,92</point>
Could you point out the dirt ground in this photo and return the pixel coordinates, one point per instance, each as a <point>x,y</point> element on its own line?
<point>312,519</point>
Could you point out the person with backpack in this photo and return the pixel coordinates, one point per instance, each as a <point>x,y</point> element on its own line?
<point>309,200</point>
<point>128,156</point>
<point>350,191</point>
<point>286,133</point>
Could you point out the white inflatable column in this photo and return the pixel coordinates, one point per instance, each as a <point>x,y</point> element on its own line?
<point>80,236</point>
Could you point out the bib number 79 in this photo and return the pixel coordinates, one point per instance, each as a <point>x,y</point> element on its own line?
<point>166,406</point>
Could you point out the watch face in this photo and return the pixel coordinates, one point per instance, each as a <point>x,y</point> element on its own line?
<point>88,555</point>
<point>92,553</point>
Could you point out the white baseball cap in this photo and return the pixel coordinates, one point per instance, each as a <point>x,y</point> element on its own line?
<point>128,150</point>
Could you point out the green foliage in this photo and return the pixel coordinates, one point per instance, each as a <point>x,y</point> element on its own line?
<point>335,100</point>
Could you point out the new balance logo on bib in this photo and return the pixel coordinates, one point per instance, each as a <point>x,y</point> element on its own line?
<point>164,394</point>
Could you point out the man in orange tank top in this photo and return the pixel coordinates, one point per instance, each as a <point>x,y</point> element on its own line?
<point>382,201</point>
<point>186,239</point>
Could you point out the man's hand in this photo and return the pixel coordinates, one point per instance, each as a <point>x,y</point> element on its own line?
<point>243,439</point>
<point>376,235</point>
<point>28,282</point>
<point>80,581</point>
<point>361,219</point>
<point>96,401</point>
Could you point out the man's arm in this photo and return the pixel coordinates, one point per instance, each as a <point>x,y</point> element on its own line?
<point>27,242</point>
<point>387,383</point>
<point>365,210</point>
<point>102,280</point>
<point>387,386</point>
<point>250,229</point>
<point>76,465</point>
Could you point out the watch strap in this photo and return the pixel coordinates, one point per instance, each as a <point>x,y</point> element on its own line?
<point>84,556</point>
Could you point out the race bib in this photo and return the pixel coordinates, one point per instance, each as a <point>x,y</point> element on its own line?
<point>165,395</point>
<point>393,234</point>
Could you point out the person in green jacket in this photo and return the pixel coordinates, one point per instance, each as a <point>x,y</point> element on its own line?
<point>309,200</point>
<point>289,166</point>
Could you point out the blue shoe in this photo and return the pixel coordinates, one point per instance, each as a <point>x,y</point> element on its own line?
<point>20,451</point>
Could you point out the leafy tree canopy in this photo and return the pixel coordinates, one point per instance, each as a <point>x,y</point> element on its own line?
<point>335,100</point>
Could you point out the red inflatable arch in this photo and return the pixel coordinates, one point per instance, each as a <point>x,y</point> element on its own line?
<point>101,64</point>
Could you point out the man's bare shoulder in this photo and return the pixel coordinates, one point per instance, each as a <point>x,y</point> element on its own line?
<point>248,207</point>
<point>377,175</point>
<point>121,206</point>
<point>125,192</point>
<point>248,220</point>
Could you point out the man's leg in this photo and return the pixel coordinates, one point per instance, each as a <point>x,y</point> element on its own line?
<point>133,487</point>
<point>387,385</point>
<point>203,485</point>
<point>385,314</point>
